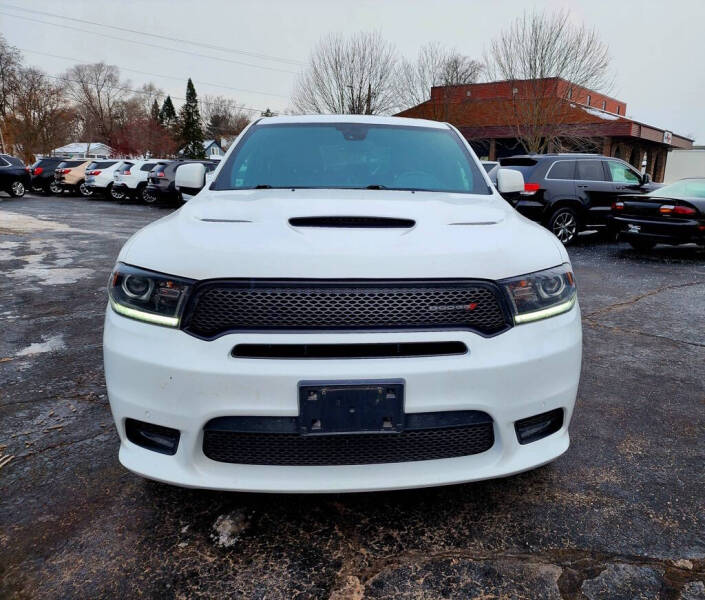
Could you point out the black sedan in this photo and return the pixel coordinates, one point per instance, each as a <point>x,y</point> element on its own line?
<point>14,176</point>
<point>673,214</point>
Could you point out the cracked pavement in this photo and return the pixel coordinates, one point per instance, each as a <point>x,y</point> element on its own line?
<point>620,515</point>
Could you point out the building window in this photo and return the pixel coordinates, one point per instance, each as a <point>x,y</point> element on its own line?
<point>570,93</point>
<point>588,100</point>
<point>604,105</point>
<point>618,109</point>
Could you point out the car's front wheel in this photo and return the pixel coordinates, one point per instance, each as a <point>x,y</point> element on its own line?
<point>641,245</point>
<point>84,190</point>
<point>565,224</point>
<point>17,189</point>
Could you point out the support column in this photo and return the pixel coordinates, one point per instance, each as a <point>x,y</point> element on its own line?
<point>660,166</point>
<point>607,146</point>
<point>492,154</point>
<point>650,159</point>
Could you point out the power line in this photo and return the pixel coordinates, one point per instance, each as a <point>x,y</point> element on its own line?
<point>113,37</point>
<point>126,89</point>
<point>78,60</point>
<point>163,37</point>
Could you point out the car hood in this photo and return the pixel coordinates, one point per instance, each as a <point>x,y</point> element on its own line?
<point>248,234</point>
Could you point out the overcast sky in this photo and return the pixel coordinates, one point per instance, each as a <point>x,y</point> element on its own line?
<point>656,46</point>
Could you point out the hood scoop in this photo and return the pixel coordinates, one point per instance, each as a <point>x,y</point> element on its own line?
<point>353,222</point>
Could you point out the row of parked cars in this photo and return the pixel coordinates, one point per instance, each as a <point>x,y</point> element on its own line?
<point>148,180</point>
<point>569,193</point>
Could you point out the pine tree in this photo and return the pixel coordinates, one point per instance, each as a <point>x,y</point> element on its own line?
<point>191,127</point>
<point>167,114</point>
<point>154,111</point>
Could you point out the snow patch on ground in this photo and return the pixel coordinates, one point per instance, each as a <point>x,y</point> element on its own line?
<point>48,271</point>
<point>19,223</point>
<point>52,344</point>
<point>228,528</point>
<point>49,275</point>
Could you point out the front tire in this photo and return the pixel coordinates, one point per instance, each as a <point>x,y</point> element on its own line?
<point>17,189</point>
<point>84,190</point>
<point>56,189</point>
<point>641,245</point>
<point>565,224</point>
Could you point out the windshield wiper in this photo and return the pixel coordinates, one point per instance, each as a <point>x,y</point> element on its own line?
<point>263,186</point>
<point>376,186</point>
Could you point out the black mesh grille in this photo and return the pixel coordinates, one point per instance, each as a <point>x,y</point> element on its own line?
<point>226,306</point>
<point>294,449</point>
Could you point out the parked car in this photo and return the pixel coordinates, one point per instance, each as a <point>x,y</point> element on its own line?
<point>99,178</point>
<point>42,175</point>
<point>14,176</point>
<point>160,183</point>
<point>131,178</point>
<point>71,176</point>
<point>342,310</point>
<point>673,214</point>
<point>571,192</point>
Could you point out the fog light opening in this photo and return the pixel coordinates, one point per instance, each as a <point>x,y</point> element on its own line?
<point>539,426</point>
<point>157,438</point>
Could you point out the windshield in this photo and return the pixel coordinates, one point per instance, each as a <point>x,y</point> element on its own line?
<point>351,156</point>
<point>685,188</point>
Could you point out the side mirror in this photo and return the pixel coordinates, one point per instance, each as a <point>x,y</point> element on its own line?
<point>509,181</point>
<point>646,178</point>
<point>190,178</point>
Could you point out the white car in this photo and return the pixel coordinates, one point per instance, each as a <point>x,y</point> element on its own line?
<point>99,177</point>
<point>349,306</point>
<point>131,179</point>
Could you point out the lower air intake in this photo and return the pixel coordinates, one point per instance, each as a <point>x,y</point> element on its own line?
<point>292,449</point>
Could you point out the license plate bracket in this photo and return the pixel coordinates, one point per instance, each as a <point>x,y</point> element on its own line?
<point>334,407</point>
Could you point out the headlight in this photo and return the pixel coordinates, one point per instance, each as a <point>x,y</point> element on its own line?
<point>147,296</point>
<point>542,294</point>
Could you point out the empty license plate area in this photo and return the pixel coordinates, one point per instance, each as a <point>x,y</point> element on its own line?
<point>330,407</point>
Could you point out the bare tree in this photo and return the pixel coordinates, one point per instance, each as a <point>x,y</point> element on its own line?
<point>223,117</point>
<point>548,61</point>
<point>10,64</point>
<point>434,66</point>
<point>348,75</point>
<point>41,119</point>
<point>99,96</point>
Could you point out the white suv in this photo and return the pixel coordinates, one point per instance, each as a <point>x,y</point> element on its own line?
<point>350,305</point>
<point>131,179</point>
<point>99,177</point>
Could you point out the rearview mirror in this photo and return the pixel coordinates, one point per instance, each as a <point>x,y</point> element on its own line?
<point>190,178</point>
<point>646,178</point>
<point>509,181</point>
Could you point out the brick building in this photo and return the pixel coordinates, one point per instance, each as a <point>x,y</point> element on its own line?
<point>488,115</point>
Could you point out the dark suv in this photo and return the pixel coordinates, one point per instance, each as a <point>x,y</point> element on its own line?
<point>161,183</point>
<point>570,192</point>
<point>42,173</point>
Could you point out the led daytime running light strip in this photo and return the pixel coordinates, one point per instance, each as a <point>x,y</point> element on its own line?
<point>544,313</point>
<point>141,315</point>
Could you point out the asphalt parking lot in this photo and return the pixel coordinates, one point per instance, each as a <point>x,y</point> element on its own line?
<point>621,515</point>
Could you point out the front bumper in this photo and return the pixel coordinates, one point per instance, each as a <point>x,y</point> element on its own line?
<point>167,377</point>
